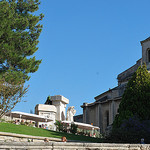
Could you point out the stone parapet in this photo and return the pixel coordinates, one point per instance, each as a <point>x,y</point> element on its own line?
<point>43,107</point>
<point>127,74</point>
<point>13,137</point>
<point>60,98</point>
<point>70,146</point>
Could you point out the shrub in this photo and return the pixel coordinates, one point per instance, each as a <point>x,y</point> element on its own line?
<point>59,125</point>
<point>131,131</point>
<point>65,127</point>
<point>73,128</point>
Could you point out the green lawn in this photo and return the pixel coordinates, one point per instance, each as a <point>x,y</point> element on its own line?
<point>22,129</point>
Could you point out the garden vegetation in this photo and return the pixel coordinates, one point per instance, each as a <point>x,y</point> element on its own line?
<point>133,119</point>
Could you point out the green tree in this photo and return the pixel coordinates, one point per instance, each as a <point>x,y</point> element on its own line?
<point>48,101</point>
<point>10,95</point>
<point>136,98</point>
<point>19,33</point>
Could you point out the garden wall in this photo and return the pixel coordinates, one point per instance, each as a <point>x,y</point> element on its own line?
<point>13,137</point>
<point>12,141</point>
<point>70,146</point>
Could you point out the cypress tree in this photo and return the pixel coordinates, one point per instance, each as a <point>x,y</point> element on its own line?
<point>136,98</point>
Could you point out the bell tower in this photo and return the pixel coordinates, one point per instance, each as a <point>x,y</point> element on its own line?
<point>146,52</point>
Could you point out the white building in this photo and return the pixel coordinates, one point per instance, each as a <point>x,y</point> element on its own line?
<point>55,110</point>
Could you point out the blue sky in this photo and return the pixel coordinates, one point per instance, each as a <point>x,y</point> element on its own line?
<point>84,45</point>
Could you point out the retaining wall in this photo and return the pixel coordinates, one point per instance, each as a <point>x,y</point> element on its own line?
<point>12,141</point>
<point>13,137</point>
<point>70,146</point>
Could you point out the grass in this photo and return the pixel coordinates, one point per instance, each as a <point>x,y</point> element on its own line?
<point>22,129</point>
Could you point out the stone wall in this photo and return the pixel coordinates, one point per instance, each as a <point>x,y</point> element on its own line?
<point>127,74</point>
<point>78,118</point>
<point>70,146</point>
<point>13,137</point>
<point>12,141</point>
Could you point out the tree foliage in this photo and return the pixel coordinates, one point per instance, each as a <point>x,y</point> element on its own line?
<point>48,101</point>
<point>136,98</point>
<point>10,95</point>
<point>19,33</point>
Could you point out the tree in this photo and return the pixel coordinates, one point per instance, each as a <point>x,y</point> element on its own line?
<point>48,101</point>
<point>10,95</point>
<point>19,33</point>
<point>136,98</point>
<point>133,121</point>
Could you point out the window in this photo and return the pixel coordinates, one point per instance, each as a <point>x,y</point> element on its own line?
<point>148,55</point>
<point>107,117</point>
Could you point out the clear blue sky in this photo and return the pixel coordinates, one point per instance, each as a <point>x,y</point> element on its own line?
<point>84,45</point>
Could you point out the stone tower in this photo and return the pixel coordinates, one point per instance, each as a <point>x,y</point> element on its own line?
<point>146,52</point>
<point>60,102</point>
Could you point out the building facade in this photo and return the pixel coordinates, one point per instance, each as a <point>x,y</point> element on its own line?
<point>55,109</point>
<point>103,110</point>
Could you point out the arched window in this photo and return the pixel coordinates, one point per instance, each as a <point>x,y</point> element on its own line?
<point>148,52</point>
<point>62,116</point>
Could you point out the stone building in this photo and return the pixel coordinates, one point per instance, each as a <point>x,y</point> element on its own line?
<point>102,111</point>
<point>78,118</point>
<point>55,109</point>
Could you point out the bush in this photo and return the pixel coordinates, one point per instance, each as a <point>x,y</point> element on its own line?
<point>131,131</point>
<point>2,120</point>
<point>59,125</point>
<point>73,128</point>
